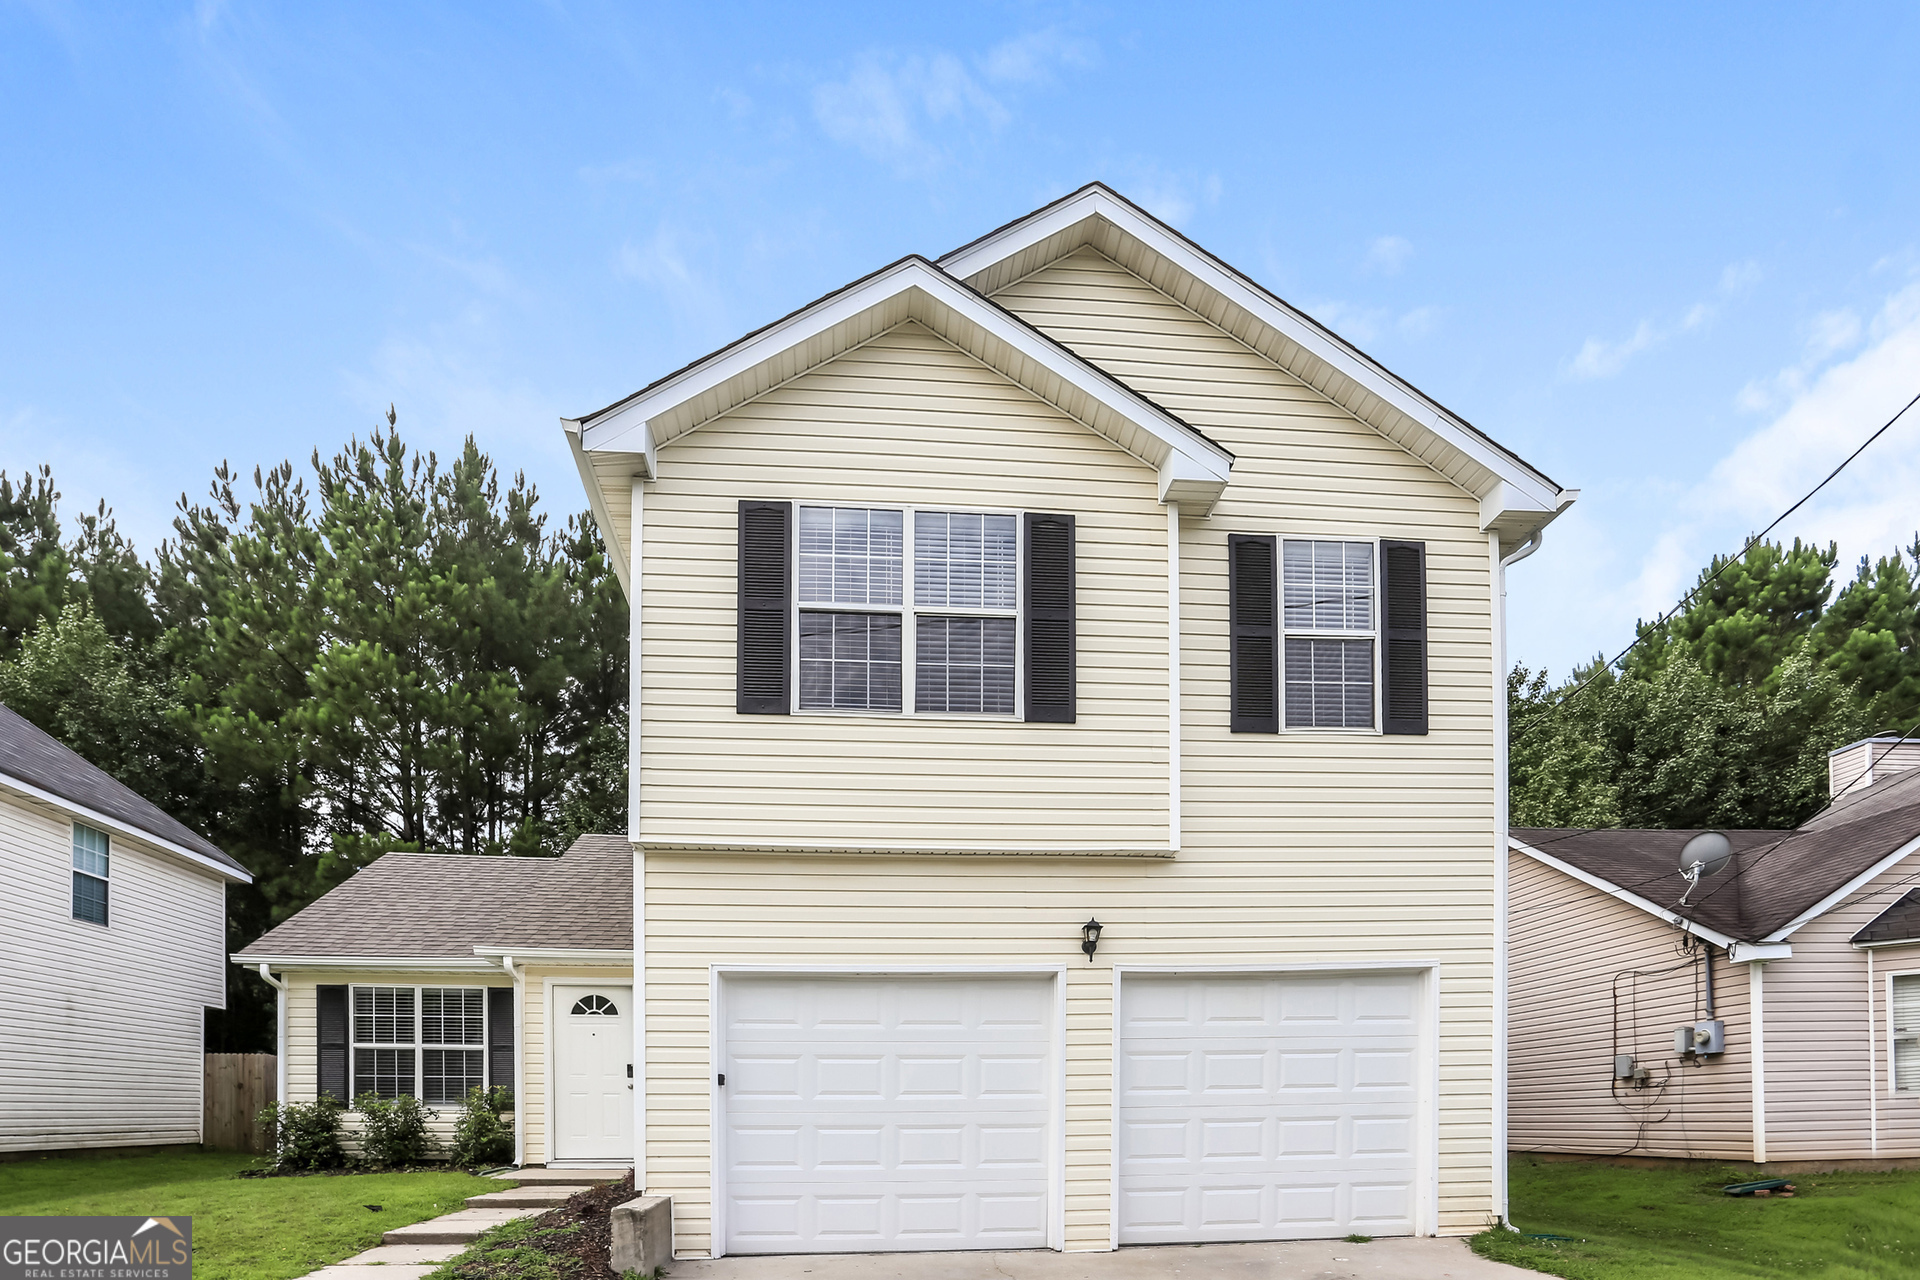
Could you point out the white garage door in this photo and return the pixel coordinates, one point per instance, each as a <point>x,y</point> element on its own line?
<point>1257,1107</point>
<point>866,1114</point>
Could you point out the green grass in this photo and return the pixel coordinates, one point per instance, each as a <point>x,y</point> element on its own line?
<point>243,1228</point>
<point>1674,1224</point>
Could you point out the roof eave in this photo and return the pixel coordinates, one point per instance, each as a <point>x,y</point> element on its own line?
<point>1632,899</point>
<point>232,875</point>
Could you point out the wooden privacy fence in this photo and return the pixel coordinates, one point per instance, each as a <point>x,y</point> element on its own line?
<point>237,1086</point>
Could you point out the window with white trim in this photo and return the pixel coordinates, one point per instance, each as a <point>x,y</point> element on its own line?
<point>1906,1032</point>
<point>91,855</point>
<point>1329,620</point>
<point>427,1042</point>
<point>860,596</point>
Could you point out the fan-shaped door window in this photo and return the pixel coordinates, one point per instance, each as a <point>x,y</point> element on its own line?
<point>595,1006</point>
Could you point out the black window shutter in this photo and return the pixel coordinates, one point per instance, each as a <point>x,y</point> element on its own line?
<point>1404,634</point>
<point>1049,591</point>
<point>331,1035</point>
<point>766,579</point>
<point>500,1037</point>
<point>1254,625</point>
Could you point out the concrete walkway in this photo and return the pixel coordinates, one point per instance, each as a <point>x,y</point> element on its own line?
<point>1395,1259</point>
<point>411,1252</point>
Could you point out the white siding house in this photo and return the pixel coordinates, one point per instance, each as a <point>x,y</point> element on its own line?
<point>112,948</point>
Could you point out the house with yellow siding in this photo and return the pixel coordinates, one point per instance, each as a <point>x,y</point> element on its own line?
<point>1067,781</point>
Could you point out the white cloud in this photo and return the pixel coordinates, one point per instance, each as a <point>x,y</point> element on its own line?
<point>901,108</point>
<point>1388,254</point>
<point>1868,509</point>
<point>663,262</point>
<point>1602,357</point>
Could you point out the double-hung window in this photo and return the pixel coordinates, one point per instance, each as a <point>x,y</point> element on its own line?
<point>426,1042</point>
<point>885,628</point>
<point>90,857</point>
<point>1329,617</point>
<point>1906,1032</point>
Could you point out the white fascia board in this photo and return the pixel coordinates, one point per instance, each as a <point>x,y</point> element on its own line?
<point>1613,890</point>
<point>1539,493</point>
<point>597,501</point>
<point>1198,460</point>
<point>1839,895</point>
<point>96,818</point>
<point>556,955</point>
<point>1754,952</point>
<point>463,964</point>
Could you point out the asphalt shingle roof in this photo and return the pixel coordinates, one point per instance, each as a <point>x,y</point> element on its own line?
<point>1773,875</point>
<point>33,756</point>
<point>1898,923</point>
<point>431,905</point>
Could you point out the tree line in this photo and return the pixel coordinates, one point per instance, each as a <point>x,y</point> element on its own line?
<point>315,669</point>
<point>1723,714</point>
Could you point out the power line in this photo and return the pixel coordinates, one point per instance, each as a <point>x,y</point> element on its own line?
<point>1724,564</point>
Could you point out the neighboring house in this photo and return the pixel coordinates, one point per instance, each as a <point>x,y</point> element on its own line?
<point>433,974</point>
<point>113,925</point>
<point>1805,946</point>
<point>1070,579</point>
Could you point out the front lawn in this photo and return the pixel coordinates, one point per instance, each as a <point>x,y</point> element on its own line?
<point>243,1228</point>
<point>1674,1224</point>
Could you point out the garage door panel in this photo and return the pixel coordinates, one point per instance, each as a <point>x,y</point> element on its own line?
<point>1267,1107</point>
<point>887,1114</point>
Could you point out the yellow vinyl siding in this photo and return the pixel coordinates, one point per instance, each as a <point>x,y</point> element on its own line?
<point>1296,848</point>
<point>906,419</point>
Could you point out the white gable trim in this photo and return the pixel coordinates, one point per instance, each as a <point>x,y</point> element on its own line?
<point>1192,469</point>
<point>1839,895</point>
<point>199,860</point>
<point>1613,890</point>
<point>1516,499</point>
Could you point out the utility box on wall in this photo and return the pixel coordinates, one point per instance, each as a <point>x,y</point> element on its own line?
<point>1701,1039</point>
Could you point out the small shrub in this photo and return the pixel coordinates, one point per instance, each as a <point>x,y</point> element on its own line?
<point>393,1131</point>
<point>306,1135</point>
<point>482,1137</point>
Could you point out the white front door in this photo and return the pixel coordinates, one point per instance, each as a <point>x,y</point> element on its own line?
<point>1268,1107</point>
<point>593,1075</point>
<point>867,1114</point>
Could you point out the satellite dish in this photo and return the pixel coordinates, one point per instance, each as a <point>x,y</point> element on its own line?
<point>1708,851</point>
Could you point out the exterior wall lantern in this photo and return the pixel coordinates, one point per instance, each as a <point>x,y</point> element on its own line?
<point>1090,938</point>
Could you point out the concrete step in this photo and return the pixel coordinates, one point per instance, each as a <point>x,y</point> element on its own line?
<point>403,1255</point>
<point>535,1176</point>
<point>460,1227</point>
<point>537,1197</point>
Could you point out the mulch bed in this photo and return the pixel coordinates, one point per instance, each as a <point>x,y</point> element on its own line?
<point>574,1241</point>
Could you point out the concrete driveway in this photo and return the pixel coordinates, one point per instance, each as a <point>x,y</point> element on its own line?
<point>1396,1259</point>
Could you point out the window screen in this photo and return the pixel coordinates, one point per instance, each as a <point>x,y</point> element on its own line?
<point>965,664</point>
<point>850,661</point>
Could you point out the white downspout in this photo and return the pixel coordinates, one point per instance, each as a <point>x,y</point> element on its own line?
<point>1500,857</point>
<point>636,579</point>
<point>279,1034</point>
<point>1756,999</point>
<point>519,1059</point>
<point>1173,676</point>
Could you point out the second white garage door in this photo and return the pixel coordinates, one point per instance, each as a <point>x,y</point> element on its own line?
<point>1265,1107</point>
<point>868,1114</point>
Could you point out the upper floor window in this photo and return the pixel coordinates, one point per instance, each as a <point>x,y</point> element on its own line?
<point>90,857</point>
<point>882,630</point>
<point>1330,624</point>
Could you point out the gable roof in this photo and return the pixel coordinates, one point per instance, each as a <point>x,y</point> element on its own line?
<point>1517,499</point>
<point>1898,923</point>
<point>35,762</point>
<point>416,906</point>
<point>619,444</point>
<point>1775,881</point>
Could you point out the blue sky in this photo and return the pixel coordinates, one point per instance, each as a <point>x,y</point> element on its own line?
<point>1670,257</point>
